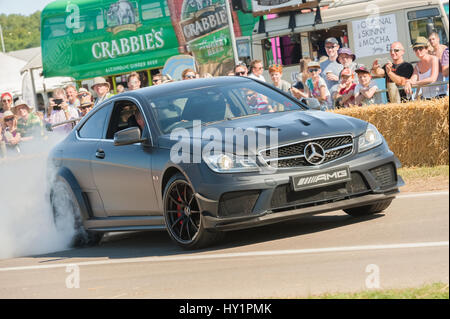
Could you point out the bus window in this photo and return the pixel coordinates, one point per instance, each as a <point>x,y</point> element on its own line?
<point>54,28</point>
<point>90,21</point>
<point>151,10</point>
<point>418,24</point>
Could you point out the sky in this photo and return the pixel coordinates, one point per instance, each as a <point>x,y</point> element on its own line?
<point>24,7</point>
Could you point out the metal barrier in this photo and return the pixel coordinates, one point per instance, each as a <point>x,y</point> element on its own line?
<point>439,83</point>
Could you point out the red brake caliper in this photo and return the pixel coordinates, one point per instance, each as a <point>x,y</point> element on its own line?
<point>179,210</point>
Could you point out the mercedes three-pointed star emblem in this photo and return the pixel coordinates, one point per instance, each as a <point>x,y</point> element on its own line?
<point>314,154</point>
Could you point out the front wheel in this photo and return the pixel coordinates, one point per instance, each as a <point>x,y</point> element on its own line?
<point>183,216</point>
<point>369,209</point>
<point>67,215</point>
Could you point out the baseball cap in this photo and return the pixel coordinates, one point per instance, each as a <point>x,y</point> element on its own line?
<point>362,69</point>
<point>331,40</point>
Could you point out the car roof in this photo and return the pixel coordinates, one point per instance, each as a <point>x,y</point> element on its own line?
<point>167,88</point>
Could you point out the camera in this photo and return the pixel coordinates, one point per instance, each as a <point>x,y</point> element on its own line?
<point>58,103</point>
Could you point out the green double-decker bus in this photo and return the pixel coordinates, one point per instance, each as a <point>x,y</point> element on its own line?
<point>83,39</point>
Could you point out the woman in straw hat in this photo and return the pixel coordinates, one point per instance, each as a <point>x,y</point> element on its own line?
<point>29,125</point>
<point>9,135</point>
<point>85,106</point>
<point>425,72</point>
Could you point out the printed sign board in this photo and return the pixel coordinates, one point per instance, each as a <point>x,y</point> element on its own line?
<point>373,35</point>
<point>262,7</point>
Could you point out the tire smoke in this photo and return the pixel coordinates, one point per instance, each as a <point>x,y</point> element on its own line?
<point>26,219</point>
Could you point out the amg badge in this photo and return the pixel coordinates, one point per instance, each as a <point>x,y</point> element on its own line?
<point>321,178</point>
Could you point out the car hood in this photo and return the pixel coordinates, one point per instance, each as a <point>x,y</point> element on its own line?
<point>288,127</point>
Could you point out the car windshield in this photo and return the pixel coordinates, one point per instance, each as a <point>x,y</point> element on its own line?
<point>218,103</point>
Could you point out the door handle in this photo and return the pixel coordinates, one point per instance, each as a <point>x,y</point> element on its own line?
<point>100,154</point>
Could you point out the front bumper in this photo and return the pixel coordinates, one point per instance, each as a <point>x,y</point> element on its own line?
<point>268,217</point>
<point>242,201</point>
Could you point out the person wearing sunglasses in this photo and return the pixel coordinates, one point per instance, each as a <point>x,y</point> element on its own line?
<point>86,105</point>
<point>395,73</point>
<point>257,69</point>
<point>240,70</point>
<point>157,79</point>
<point>9,134</point>
<point>7,101</point>
<point>425,72</point>
<point>188,74</point>
<point>330,67</point>
<point>316,86</point>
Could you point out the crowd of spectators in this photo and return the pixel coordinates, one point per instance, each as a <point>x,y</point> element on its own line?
<point>336,82</point>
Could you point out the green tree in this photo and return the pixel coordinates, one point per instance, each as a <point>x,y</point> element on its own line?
<point>21,32</point>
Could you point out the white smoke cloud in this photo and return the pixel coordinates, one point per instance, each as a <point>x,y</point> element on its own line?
<point>26,218</point>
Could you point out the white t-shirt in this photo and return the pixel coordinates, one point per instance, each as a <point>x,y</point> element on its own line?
<point>257,77</point>
<point>374,99</point>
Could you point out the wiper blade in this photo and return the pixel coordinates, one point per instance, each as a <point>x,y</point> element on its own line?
<point>242,116</point>
<point>230,119</point>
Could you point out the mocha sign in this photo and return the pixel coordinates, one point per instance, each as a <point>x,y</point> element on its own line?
<point>205,21</point>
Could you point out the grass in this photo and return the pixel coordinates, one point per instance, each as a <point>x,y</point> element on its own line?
<point>430,291</point>
<point>424,172</point>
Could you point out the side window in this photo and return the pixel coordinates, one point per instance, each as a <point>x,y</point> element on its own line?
<point>124,115</point>
<point>94,126</point>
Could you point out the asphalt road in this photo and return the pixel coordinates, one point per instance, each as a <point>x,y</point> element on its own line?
<point>406,246</point>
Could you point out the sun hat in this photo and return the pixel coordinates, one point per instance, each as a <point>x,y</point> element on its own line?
<point>5,115</point>
<point>83,90</point>
<point>100,80</point>
<point>21,102</point>
<point>420,42</point>
<point>346,51</point>
<point>313,64</point>
<point>86,102</point>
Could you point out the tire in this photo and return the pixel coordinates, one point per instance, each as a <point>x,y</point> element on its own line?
<point>183,218</point>
<point>369,209</point>
<point>67,215</point>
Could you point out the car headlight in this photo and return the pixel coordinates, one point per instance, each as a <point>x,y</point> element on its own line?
<point>370,139</point>
<point>230,163</point>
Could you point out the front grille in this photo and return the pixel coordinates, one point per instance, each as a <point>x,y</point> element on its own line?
<point>385,175</point>
<point>237,203</point>
<point>292,155</point>
<point>284,197</point>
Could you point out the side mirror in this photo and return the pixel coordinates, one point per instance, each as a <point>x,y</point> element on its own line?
<point>312,103</point>
<point>128,136</point>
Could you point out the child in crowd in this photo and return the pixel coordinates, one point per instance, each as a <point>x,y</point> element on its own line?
<point>344,95</point>
<point>316,86</point>
<point>366,89</point>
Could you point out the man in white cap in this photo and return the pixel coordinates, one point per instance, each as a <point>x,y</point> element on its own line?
<point>101,87</point>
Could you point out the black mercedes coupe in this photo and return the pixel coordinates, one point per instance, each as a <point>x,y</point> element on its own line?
<point>202,157</point>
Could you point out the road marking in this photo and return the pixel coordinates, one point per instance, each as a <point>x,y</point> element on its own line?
<point>426,194</point>
<point>234,255</point>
